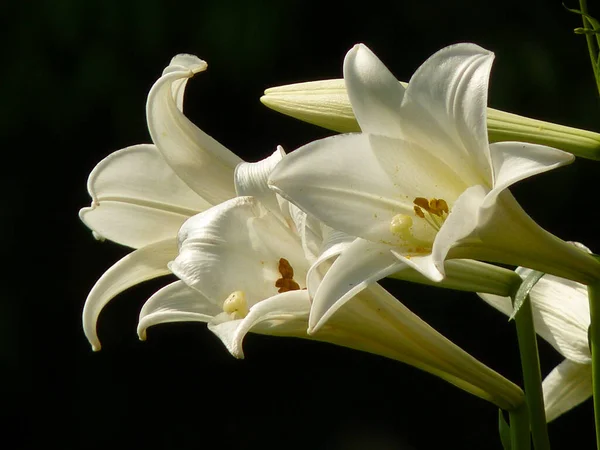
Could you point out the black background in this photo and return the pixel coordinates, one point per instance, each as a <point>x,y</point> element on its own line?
<point>74,80</point>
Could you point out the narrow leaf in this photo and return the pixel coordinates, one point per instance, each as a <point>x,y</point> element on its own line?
<point>523,292</point>
<point>504,429</point>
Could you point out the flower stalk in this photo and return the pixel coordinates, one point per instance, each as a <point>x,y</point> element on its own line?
<point>532,377</point>
<point>325,103</point>
<point>594,337</point>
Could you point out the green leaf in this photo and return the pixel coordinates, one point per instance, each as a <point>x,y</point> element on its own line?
<point>523,292</point>
<point>592,21</point>
<point>504,429</point>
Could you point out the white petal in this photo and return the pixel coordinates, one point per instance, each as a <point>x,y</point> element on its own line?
<point>137,199</point>
<point>251,180</point>
<point>176,302</point>
<point>562,316</point>
<point>360,264</point>
<point>201,162</point>
<point>282,315</point>
<point>138,266</point>
<point>515,161</point>
<point>236,246</point>
<point>322,179</point>
<point>334,243</point>
<point>502,304</point>
<point>424,264</point>
<point>459,226</point>
<point>374,92</point>
<point>445,105</point>
<point>504,233</point>
<point>568,385</point>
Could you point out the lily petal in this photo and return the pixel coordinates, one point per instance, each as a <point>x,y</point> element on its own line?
<point>505,233</point>
<point>176,302</point>
<point>138,266</point>
<point>445,104</point>
<point>322,179</point>
<point>374,92</point>
<point>568,385</point>
<point>561,315</point>
<point>137,199</point>
<point>251,180</point>
<point>200,161</point>
<point>282,315</point>
<point>360,264</point>
<point>236,237</point>
<point>515,161</point>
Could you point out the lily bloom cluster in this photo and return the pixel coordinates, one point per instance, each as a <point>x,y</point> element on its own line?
<point>294,245</point>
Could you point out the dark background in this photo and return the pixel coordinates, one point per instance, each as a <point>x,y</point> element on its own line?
<point>74,80</point>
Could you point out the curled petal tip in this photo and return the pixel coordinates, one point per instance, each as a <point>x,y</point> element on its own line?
<point>96,347</point>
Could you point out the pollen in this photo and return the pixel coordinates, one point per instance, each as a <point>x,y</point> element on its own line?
<point>286,282</point>
<point>236,305</point>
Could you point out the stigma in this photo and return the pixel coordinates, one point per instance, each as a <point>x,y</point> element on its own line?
<point>236,305</point>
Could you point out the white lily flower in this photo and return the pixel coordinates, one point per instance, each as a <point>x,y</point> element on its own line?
<point>561,315</point>
<point>244,266</point>
<point>421,184</point>
<point>142,194</point>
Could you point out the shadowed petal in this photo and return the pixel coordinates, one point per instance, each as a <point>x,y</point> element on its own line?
<point>200,161</point>
<point>359,264</point>
<point>568,385</point>
<point>176,302</point>
<point>282,315</point>
<point>236,246</point>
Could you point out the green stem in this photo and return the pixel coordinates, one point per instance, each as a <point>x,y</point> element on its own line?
<point>532,377</point>
<point>590,42</point>
<point>519,428</point>
<point>594,298</point>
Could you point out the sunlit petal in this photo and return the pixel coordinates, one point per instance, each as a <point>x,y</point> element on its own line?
<point>138,266</point>
<point>137,199</point>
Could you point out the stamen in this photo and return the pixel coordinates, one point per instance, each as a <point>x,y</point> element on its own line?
<point>435,208</point>
<point>286,282</point>
<point>235,305</point>
<point>285,269</point>
<point>423,203</point>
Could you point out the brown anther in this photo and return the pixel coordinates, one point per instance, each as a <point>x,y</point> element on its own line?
<point>285,269</point>
<point>285,285</point>
<point>286,282</point>
<point>423,203</point>
<point>442,205</point>
<point>419,212</point>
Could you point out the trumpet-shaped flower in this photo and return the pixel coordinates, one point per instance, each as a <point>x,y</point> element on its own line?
<point>421,184</point>
<point>244,265</point>
<point>142,194</point>
<point>561,316</point>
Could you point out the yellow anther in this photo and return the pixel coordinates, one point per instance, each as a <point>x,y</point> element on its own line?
<point>419,212</point>
<point>236,305</point>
